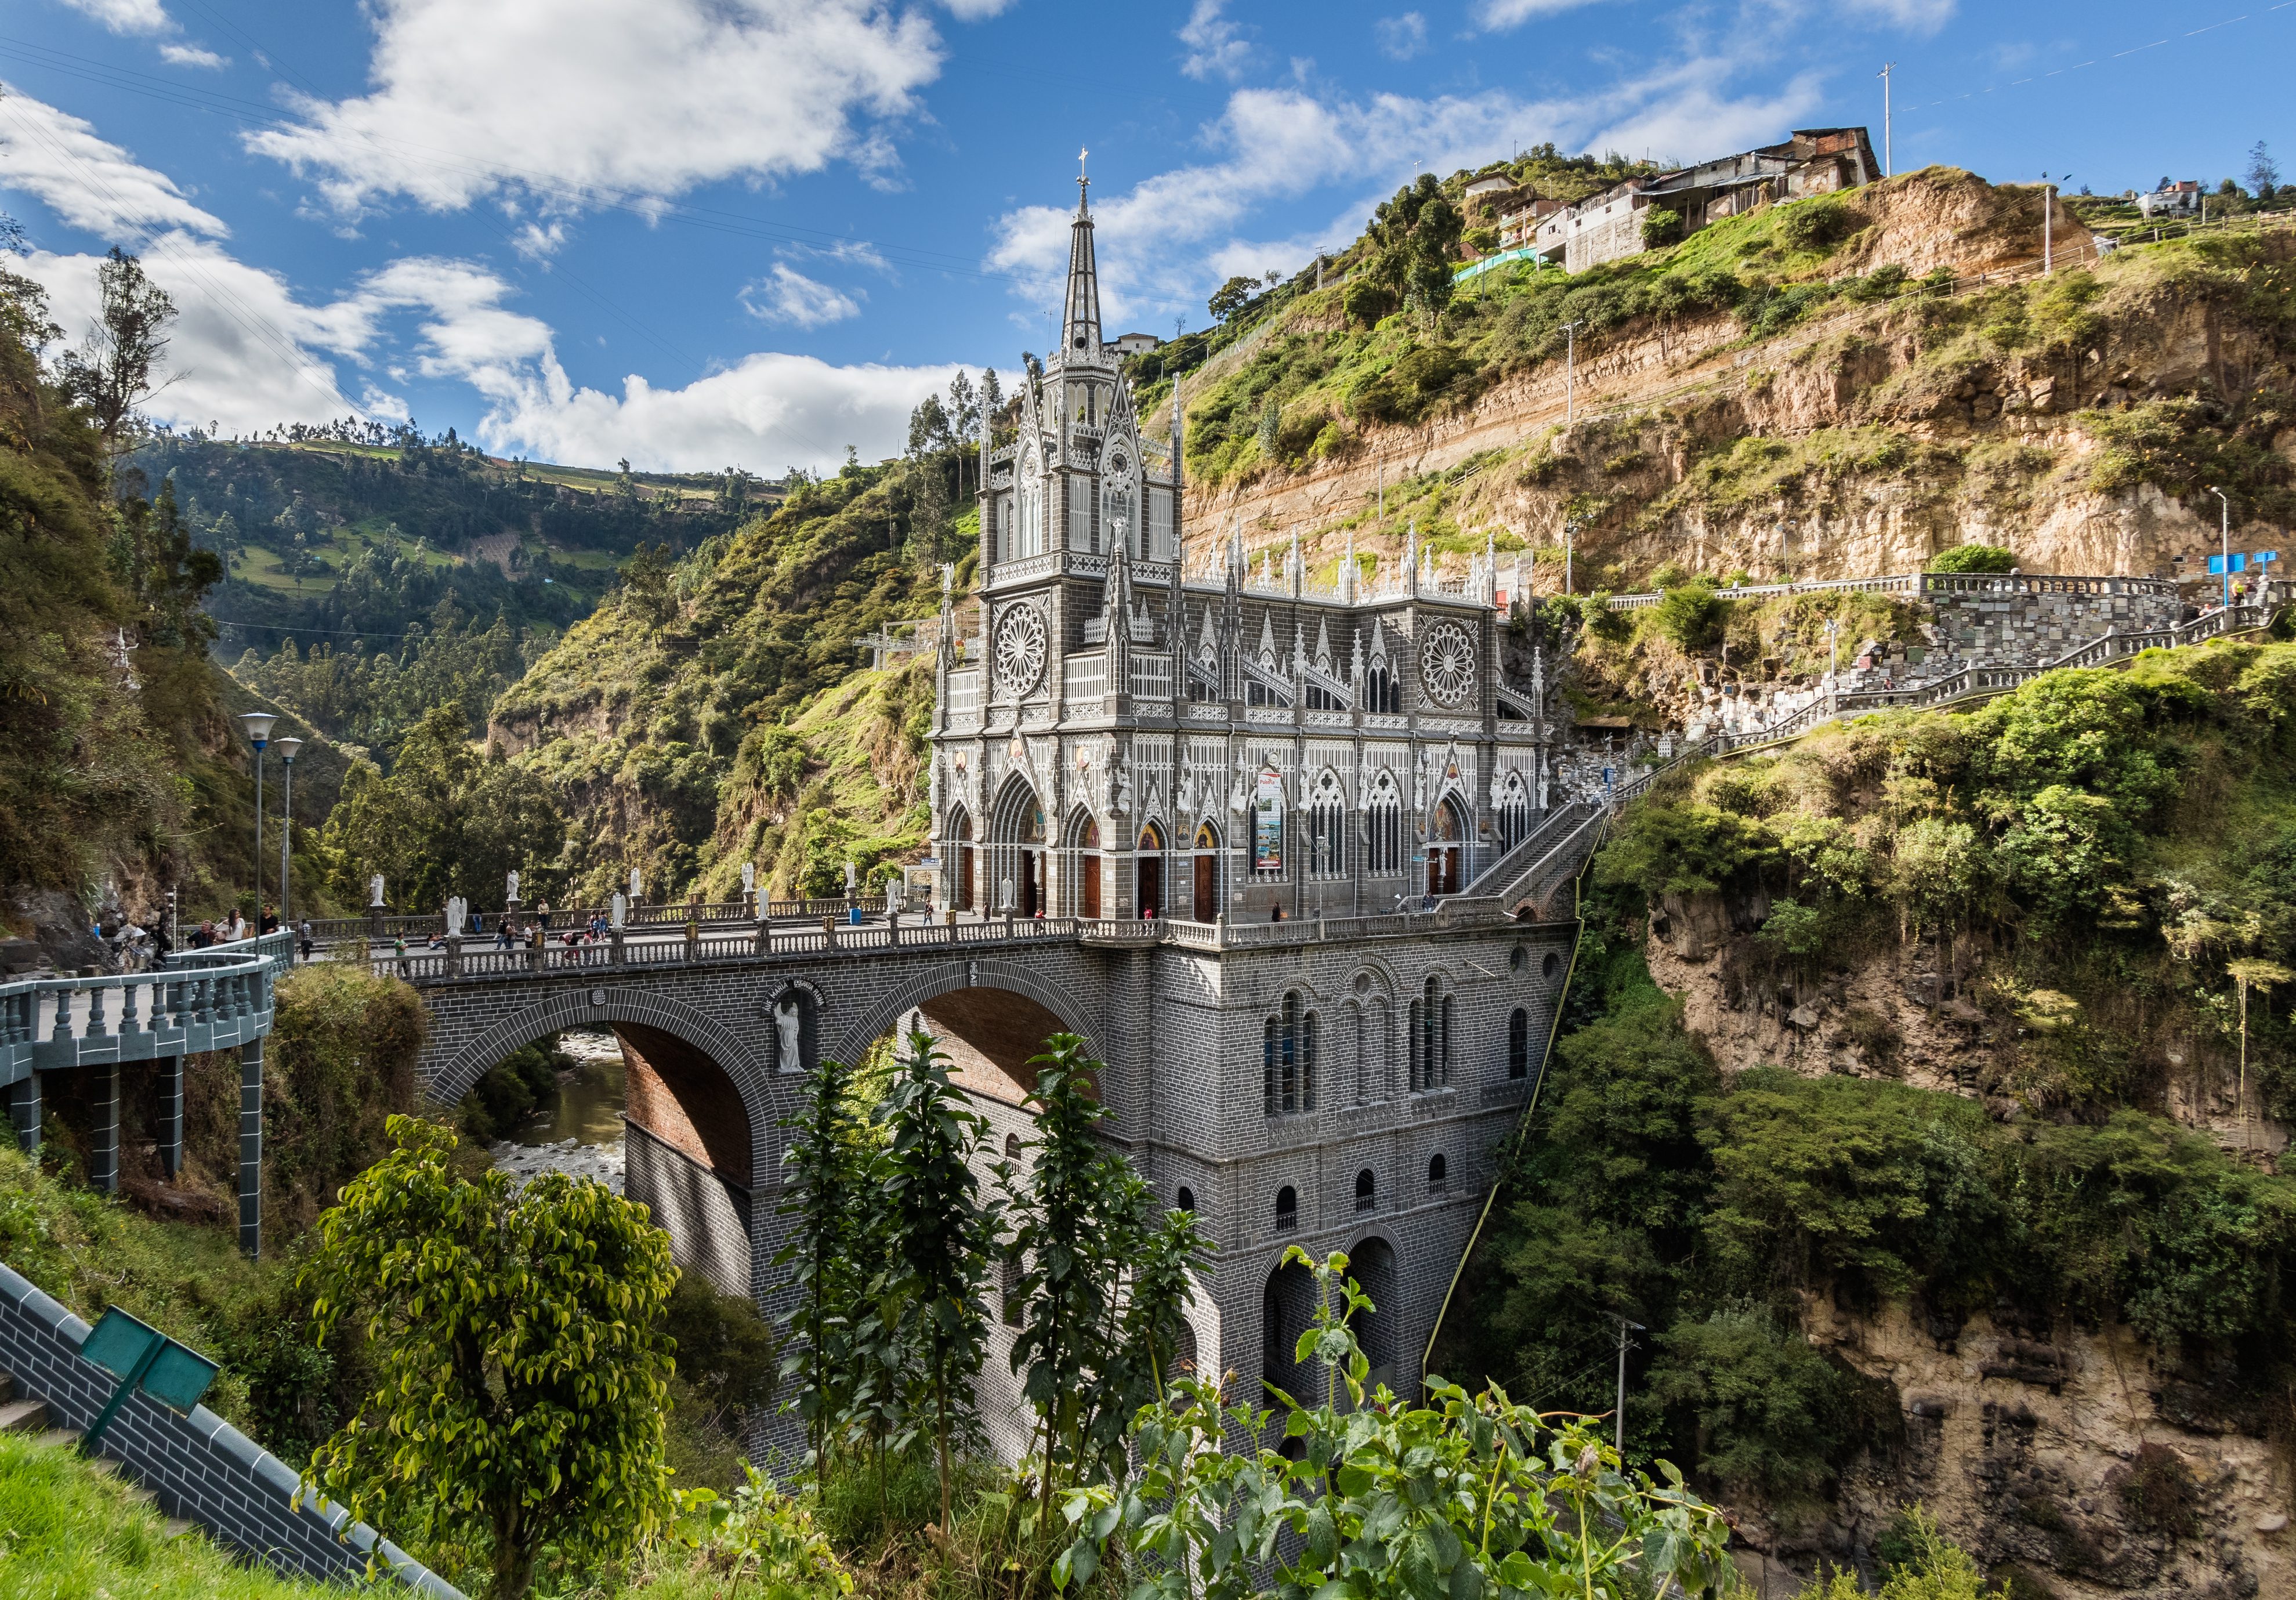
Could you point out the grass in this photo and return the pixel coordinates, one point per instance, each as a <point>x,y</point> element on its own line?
<point>68,1531</point>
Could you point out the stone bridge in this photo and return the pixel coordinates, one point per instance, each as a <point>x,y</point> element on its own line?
<point>1337,1084</point>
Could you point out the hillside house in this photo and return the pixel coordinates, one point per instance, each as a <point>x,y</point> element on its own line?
<point>1132,344</point>
<point>2172,199</point>
<point>1609,225</point>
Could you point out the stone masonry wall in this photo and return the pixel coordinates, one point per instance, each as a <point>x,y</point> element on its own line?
<point>200,1466</point>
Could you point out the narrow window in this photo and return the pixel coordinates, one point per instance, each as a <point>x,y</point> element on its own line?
<point>1437,1174</point>
<point>1267,1065</point>
<point>1518,1043</point>
<point>1308,1041</point>
<point>1366,1190</point>
<point>1287,1210</point>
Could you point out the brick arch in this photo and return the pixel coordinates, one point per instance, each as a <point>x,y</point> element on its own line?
<point>949,978</point>
<point>572,1008</point>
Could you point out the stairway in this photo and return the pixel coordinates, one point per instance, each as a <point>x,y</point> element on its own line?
<point>29,1413</point>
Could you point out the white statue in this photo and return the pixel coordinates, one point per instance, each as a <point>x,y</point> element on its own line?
<point>374,890</point>
<point>1240,795</point>
<point>513,891</point>
<point>1419,783</point>
<point>638,887</point>
<point>788,1028</point>
<point>621,909</point>
<point>457,908</point>
<point>749,879</point>
<point>1187,791</point>
<point>1119,787</point>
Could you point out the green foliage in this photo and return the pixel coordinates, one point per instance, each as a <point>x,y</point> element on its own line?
<point>1471,1495</point>
<point>67,1528</point>
<point>725,1352</point>
<point>825,1164</point>
<point>341,1059</point>
<point>1232,297</point>
<point>1683,849</point>
<point>1972,558</point>
<point>1919,1564</point>
<point>447,821</point>
<point>512,1090</point>
<point>762,1535</point>
<point>374,700</point>
<point>1690,618</point>
<point>1774,1414</point>
<point>521,1369</point>
<point>1413,244</point>
<point>1660,228</point>
<point>1817,222</point>
<point>941,1239</point>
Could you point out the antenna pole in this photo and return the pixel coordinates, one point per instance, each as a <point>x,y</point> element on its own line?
<point>1887,67</point>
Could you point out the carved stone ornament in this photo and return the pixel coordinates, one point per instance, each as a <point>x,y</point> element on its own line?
<point>1019,649</point>
<point>1446,663</point>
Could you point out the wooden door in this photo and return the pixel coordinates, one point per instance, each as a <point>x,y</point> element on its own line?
<point>1207,874</point>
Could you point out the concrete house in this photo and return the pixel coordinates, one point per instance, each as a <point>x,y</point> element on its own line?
<point>1609,225</point>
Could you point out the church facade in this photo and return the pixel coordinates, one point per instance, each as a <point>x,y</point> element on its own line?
<point>1145,728</point>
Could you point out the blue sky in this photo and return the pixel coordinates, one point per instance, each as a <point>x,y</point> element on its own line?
<point>703,233</point>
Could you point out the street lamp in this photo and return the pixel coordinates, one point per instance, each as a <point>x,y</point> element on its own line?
<point>2049,217</point>
<point>289,749</point>
<point>259,725</point>
<point>2224,532</point>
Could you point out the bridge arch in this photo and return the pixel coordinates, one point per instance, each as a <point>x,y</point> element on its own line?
<point>959,976</point>
<point>687,1160</point>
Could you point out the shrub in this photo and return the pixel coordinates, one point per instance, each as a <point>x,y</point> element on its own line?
<point>1690,618</point>
<point>1366,303</point>
<point>2161,1493</point>
<point>1972,558</point>
<point>1660,227</point>
<point>1817,223</point>
<point>1768,1405</point>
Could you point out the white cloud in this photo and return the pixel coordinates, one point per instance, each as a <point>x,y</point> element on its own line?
<point>1496,16</point>
<point>242,351</point>
<point>192,55</point>
<point>768,411</point>
<point>1915,16</point>
<point>1217,47</point>
<point>88,182</point>
<point>788,296</point>
<point>126,16</point>
<point>1401,37</point>
<point>564,96</point>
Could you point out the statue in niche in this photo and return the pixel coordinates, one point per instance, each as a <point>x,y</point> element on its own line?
<point>1187,791</point>
<point>789,1034</point>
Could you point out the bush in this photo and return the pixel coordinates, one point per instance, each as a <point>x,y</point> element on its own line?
<point>1972,558</point>
<point>1367,303</point>
<point>524,1082</point>
<point>1817,223</point>
<point>1660,227</point>
<point>2161,1493</point>
<point>1690,618</point>
<point>1768,1405</point>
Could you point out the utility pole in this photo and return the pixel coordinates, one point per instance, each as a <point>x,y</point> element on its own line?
<point>2224,533</point>
<point>1570,372</point>
<point>1887,67</point>
<point>1627,1330</point>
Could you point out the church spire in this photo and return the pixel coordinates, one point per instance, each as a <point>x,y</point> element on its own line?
<point>1080,320</point>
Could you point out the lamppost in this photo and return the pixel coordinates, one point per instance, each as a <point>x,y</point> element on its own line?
<point>2048,218</point>
<point>289,749</point>
<point>1571,372</point>
<point>2224,533</point>
<point>259,725</point>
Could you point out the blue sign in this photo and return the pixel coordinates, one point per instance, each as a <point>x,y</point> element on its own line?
<point>2217,564</point>
<point>2263,556</point>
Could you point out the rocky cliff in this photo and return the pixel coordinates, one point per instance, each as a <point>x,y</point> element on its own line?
<point>1909,382</point>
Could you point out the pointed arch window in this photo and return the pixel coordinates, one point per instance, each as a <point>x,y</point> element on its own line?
<point>1383,838</point>
<point>1431,1037</point>
<point>1327,843</point>
<point>1289,1043</point>
<point>1514,811</point>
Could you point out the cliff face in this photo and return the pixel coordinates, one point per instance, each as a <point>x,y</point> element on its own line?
<point>2075,418</point>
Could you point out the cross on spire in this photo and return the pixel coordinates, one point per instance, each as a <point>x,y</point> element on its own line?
<point>1083,183</point>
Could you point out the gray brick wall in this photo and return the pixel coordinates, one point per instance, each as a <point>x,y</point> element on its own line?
<point>200,1466</point>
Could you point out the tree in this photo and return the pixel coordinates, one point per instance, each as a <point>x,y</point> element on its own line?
<point>2263,171</point>
<point>1231,298</point>
<point>521,1371</point>
<point>825,1170</point>
<point>1661,227</point>
<point>1084,1222</point>
<point>943,1239</point>
<point>1939,865</point>
<point>112,372</point>
<point>446,821</point>
<point>1415,244</point>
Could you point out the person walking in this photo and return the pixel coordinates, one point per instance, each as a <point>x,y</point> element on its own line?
<point>303,935</point>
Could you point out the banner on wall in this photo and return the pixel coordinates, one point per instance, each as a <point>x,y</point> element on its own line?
<point>1267,822</point>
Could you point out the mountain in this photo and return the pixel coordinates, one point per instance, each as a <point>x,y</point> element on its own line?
<point>1844,384</point>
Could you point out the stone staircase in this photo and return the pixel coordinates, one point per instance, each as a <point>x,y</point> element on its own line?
<point>29,1413</point>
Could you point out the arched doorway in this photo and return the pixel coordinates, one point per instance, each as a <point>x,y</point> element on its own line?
<point>1204,860</point>
<point>1287,1309</point>
<point>1016,852</point>
<point>962,852</point>
<point>1148,871</point>
<point>1371,1265</point>
<point>1446,841</point>
<point>1084,864</point>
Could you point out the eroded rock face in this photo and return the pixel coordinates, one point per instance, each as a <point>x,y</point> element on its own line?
<point>2068,1452</point>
